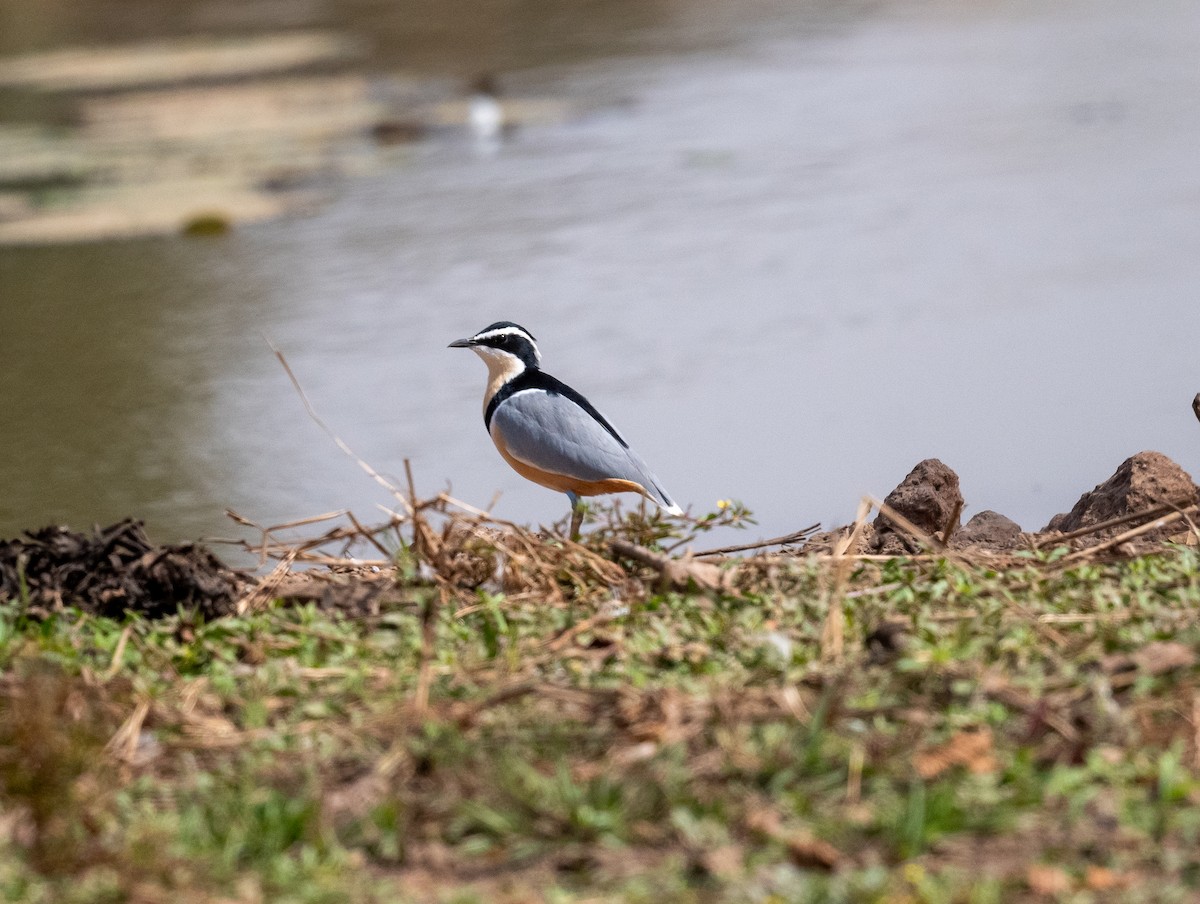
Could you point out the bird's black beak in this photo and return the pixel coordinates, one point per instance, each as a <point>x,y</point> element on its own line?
<point>460,343</point>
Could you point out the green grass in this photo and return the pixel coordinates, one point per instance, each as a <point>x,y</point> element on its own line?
<point>681,747</point>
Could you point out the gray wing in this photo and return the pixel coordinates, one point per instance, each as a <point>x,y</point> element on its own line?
<point>551,432</point>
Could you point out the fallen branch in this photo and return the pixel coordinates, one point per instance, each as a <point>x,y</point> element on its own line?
<point>679,574</point>
<point>794,537</point>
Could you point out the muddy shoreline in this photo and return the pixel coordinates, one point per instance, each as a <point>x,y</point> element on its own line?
<point>1147,501</point>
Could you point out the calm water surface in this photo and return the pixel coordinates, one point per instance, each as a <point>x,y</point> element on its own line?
<point>788,259</point>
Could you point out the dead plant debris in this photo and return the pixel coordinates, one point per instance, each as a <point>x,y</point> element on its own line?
<point>113,570</point>
<point>458,705</point>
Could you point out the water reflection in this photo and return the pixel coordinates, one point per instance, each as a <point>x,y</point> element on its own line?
<point>91,408</point>
<point>788,267</point>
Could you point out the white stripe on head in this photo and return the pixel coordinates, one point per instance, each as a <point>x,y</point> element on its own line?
<point>508,330</point>
<point>504,331</point>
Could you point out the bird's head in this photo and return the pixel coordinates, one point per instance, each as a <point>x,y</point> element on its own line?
<point>504,346</point>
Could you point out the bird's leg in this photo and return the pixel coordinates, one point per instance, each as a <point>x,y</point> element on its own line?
<point>576,516</point>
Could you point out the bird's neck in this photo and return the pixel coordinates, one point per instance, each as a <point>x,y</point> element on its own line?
<point>501,369</point>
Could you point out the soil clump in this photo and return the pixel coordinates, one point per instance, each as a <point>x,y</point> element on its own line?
<point>929,498</point>
<point>988,530</point>
<point>1146,486</point>
<point>114,570</point>
<point>1142,482</point>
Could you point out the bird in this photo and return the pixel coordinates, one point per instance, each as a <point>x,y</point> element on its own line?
<point>548,432</point>
<point>484,113</point>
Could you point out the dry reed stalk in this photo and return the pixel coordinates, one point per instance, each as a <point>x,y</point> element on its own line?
<point>1152,512</point>
<point>470,509</point>
<point>118,654</point>
<point>428,643</point>
<point>833,631</point>
<point>270,547</point>
<point>1093,551</point>
<point>828,557</point>
<point>923,538</point>
<point>951,524</point>
<point>794,537</point>
<point>123,744</point>
<point>1192,526</point>
<point>341,561</point>
<point>312,413</point>
<point>267,543</point>
<point>369,536</point>
<point>264,591</point>
<point>412,486</point>
<point>1105,618</point>
<point>424,547</point>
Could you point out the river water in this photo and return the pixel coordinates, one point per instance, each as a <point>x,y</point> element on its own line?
<point>789,249</point>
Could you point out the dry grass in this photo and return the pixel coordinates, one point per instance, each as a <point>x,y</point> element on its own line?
<point>491,713</point>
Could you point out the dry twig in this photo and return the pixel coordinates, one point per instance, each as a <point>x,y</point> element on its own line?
<point>834,629</point>
<point>1057,539</point>
<point>785,540</point>
<point>1094,551</point>
<point>338,441</point>
<point>676,573</point>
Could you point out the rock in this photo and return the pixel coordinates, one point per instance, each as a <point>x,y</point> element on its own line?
<point>1144,481</point>
<point>928,497</point>
<point>988,530</point>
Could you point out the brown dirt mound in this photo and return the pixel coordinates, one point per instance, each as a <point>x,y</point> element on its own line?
<point>1144,488</point>
<point>1142,482</point>
<point>114,570</point>
<point>988,530</point>
<point>929,497</point>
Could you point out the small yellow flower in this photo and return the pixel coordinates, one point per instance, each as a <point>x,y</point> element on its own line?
<point>723,504</point>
